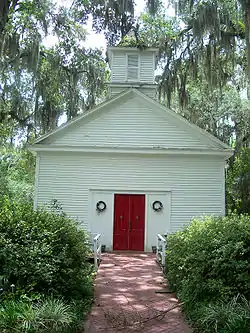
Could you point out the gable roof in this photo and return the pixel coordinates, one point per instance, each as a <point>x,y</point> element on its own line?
<point>108,102</point>
<point>123,97</point>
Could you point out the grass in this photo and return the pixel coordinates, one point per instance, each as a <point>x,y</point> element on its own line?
<point>222,316</point>
<point>48,315</point>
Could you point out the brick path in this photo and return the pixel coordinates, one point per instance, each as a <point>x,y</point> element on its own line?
<point>125,298</point>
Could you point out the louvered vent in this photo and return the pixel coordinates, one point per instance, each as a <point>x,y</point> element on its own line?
<point>133,68</point>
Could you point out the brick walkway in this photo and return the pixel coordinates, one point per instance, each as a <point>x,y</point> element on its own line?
<point>126,300</point>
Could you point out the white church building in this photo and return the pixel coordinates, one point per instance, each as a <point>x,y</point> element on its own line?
<point>131,168</point>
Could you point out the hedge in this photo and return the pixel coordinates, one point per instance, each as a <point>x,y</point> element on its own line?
<point>42,252</point>
<point>208,264</point>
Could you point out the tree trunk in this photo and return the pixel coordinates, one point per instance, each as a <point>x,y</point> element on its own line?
<point>5,7</point>
<point>4,10</point>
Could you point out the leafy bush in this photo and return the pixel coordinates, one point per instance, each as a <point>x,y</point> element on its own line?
<point>50,315</point>
<point>43,252</point>
<point>17,172</point>
<point>238,183</point>
<point>208,265</point>
<point>210,258</point>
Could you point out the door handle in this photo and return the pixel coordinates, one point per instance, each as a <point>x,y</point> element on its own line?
<point>130,225</point>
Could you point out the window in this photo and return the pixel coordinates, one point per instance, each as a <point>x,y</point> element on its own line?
<point>133,67</point>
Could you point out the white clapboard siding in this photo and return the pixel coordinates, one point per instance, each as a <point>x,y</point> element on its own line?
<point>196,184</point>
<point>132,124</point>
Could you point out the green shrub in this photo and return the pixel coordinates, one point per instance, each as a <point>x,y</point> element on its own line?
<point>43,252</point>
<point>208,265</point>
<point>17,171</point>
<point>238,183</point>
<point>210,259</point>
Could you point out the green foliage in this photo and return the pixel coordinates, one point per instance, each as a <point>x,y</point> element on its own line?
<point>210,258</point>
<point>208,266</point>
<point>152,31</point>
<point>238,183</point>
<point>230,317</point>
<point>115,18</point>
<point>209,42</point>
<point>49,315</point>
<point>17,173</point>
<point>158,31</point>
<point>38,84</point>
<point>16,316</point>
<point>54,314</point>
<point>43,252</point>
<point>80,308</point>
<point>222,112</point>
<point>71,80</point>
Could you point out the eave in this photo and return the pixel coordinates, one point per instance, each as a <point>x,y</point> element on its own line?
<point>226,153</point>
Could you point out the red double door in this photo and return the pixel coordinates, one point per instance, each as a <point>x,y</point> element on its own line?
<point>129,222</point>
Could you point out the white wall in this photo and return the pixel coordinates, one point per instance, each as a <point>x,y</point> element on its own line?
<point>102,222</point>
<point>157,222</point>
<point>196,185</point>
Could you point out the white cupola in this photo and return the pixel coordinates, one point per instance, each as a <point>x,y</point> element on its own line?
<point>132,67</point>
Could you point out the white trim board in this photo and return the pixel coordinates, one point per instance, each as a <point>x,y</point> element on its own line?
<point>131,150</point>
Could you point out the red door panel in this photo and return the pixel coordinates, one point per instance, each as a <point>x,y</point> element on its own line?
<point>121,223</point>
<point>129,222</point>
<point>137,218</point>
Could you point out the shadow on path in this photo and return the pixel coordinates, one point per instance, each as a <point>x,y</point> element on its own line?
<point>126,298</point>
